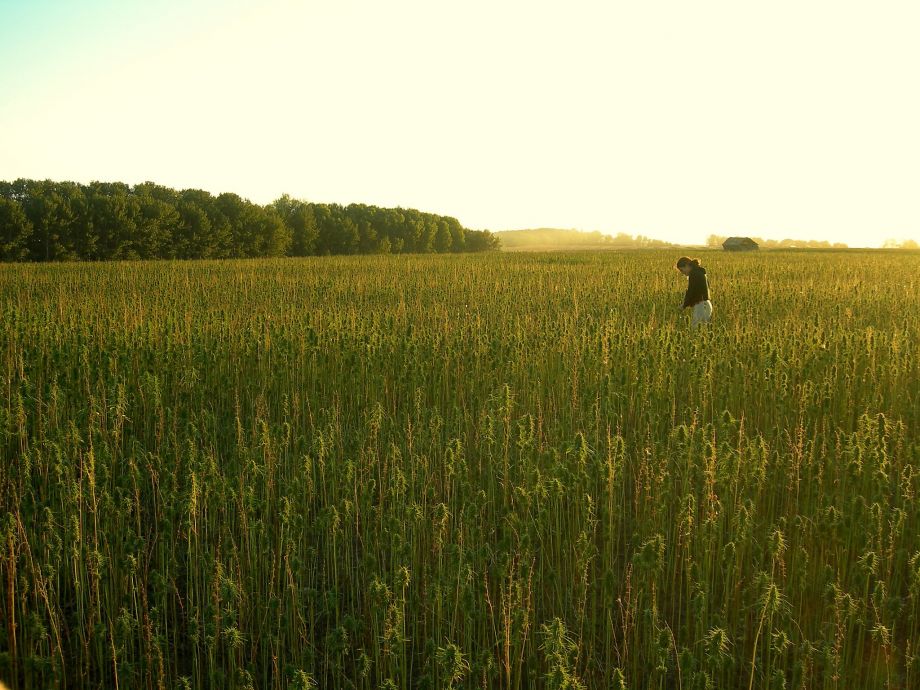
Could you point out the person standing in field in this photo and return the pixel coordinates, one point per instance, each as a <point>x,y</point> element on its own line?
<point>697,296</point>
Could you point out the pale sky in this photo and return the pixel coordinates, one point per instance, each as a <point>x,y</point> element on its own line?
<point>672,119</point>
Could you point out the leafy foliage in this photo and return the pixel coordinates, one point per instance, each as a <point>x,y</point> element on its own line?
<point>55,221</point>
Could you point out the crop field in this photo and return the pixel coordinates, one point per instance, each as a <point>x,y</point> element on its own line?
<point>502,471</point>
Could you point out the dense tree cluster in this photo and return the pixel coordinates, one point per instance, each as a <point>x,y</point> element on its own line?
<point>60,221</point>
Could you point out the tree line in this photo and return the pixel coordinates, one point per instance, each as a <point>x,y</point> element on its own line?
<point>549,239</point>
<point>717,240</point>
<point>43,220</point>
<point>893,243</point>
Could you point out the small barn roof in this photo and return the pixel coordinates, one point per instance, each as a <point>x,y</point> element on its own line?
<point>739,242</point>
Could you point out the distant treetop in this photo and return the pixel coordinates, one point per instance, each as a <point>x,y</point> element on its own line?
<point>548,239</point>
<point>719,241</point>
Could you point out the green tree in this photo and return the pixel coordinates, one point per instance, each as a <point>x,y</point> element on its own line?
<point>237,228</point>
<point>113,215</point>
<point>367,237</point>
<point>338,234</point>
<point>15,230</point>
<point>457,235</point>
<point>300,221</point>
<point>51,217</point>
<point>157,224</point>
<point>112,220</point>
<point>272,237</point>
<point>443,238</point>
<point>481,241</point>
<point>193,238</point>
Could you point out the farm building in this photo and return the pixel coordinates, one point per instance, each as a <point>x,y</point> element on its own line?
<point>739,244</point>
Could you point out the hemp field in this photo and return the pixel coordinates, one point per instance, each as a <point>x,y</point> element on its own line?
<point>495,471</point>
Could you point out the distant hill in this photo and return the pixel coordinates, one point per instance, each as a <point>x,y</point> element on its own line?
<point>558,239</point>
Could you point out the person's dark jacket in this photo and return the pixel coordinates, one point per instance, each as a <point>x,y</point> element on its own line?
<point>697,287</point>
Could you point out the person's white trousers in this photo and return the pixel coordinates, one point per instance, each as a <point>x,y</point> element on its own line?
<point>702,312</point>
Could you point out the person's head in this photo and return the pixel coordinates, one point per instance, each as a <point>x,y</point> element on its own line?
<point>685,264</point>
